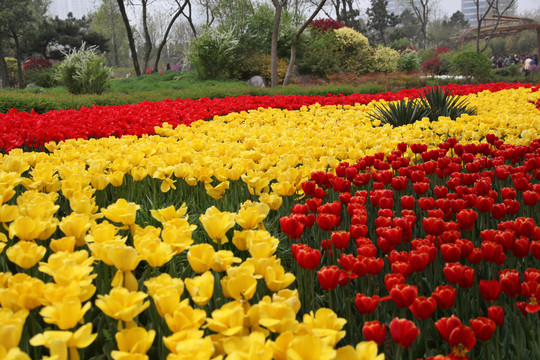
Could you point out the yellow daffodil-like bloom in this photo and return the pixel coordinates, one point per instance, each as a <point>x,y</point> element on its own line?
<point>99,181</point>
<point>324,324</point>
<point>125,259</point>
<point>260,264</point>
<point>252,346</point>
<point>185,318</point>
<point>275,316</point>
<point>167,184</point>
<point>8,213</point>
<point>13,354</point>
<point>22,292</point>
<point>262,244</point>
<point>55,293</point>
<point>201,288</point>
<point>138,173</point>
<point>228,320</point>
<point>274,201</point>
<point>164,280</point>
<point>66,313</point>
<point>217,223</point>
<point>201,257</point>
<point>240,239</point>
<point>27,228</point>
<point>133,343</point>
<point>283,188</point>
<point>83,203</point>
<point>289,297</point>
<point>169,213</point>
<point>276,278</point>
<point>37,205</point>
<point>122,212</point>
<point>217,191</point>
<point>309,347</point>
<point>76,225</point>
<point>60,342</point>
<point>116,178</point>
<point>121,304</point>
<point>240,282</point>
<point>365,350</point>
<point>148,243</point>
<point>223,259</point>
<point>167,300</point>
<point>281,344</point>
<point>251,214</point>
<point>193,349</point>
<point>11,327</point>
<point>178,233</point>
<point>25,254</point>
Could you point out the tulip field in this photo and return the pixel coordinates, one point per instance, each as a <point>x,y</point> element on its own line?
<point>283,227</point>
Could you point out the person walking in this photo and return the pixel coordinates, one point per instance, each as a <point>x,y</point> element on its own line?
<point>527,65</point>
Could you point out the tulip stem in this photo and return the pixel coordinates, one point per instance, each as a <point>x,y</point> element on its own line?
<point>498,342</point>
<point>330,302</point>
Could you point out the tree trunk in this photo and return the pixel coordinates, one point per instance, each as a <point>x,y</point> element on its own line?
<point>18,55</point>
<point>169,27</point>
<point>275,33</point>
<point>131,41</point>
<point>147,39</point>
<point>292,60</point>
<point>3,70</point>
<point>190,19</point>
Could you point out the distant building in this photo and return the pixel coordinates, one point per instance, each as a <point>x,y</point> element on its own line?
<point>78,8</point>
<point>468,8</point>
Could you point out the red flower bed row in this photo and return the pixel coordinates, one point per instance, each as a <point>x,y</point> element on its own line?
<point>450,245</point>
<point>20,129</point>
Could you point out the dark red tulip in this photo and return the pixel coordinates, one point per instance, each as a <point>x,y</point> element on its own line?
<point>366,304</point>
<point>433,226</point>
<point>484,204</point>
<point>453,272</point>
<point>445,296</point>
<point>505,238</point>
<point>313,204</point>
<point>531,290</point>
<point>491,251</point>
<point>309,187</point>
<point>374,265</point>
<point>530,198</point>
<point>422,307</point>
<point>418,260</point>
<point>391,280</point>
<point>524,226</point>
<point>446,325</point>
<point>420,188</point>
<point>374,331</point>
<point>510,282</point>
<point>307,257</point>
<point>483,328</point>
<point>508,193</point>
<point>340,239</point>
<point>440,191</point>
<point>490,289</point>
<point>403,332</point>
<point>291,226</point>
<point>496,313</point>
<point>467,280</point>
<point>535,249</point>
<point>498,211</point>
<point>466,218</point>
<point>327,221</point>
<point>475,256</point>
<point>451,252</point>
<point>461,340</point>
<point>407,202</point>
<point>426,203</point>
<point>329,277</point>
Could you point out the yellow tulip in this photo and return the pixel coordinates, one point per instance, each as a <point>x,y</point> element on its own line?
<point>138,173</point>
<point>121,212</point>
<point>164,280</point>
<point>121,304</point>
<point>11,327</point>
<point>278,317</point>
<point>252,346</point>
<point>132,343</point>
<point>193,349</point>
<point>66,313</point>
<point>324,324</point>
<point>262,244</point>
<point>217,223</point>
<point>223,259</point>
<point>166,300</point>
<point>99,181</point>
<point>60,342</point>
<point>27,228</point>
<point>125,259</point>
<point>365,350</point>
<point>240,239</point>
<point>228,320</point>
<point>201,288</point>
<point>179,336</point>
<point>116,178</point>
<point>167,184</point>
<point>155,252</point>
<point>76,225</point>
<point>201,257</point>
<point>8,213</point>
<point>276,278</point>
<point>169,213</point>
<point>251,214</point>
<point>274,201</point>
<point>289,297</point>
<point>66,243</point>
<point>178,233</point>
<point>281,344</point>
<point>25,254</point>
<point>309,347</point>
<point>13,354</point>
<point>185,318</point>
<point>22,292</point>
<point>240,283</point>
<point>218,191</point>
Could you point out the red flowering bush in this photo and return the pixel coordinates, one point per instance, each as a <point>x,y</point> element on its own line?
<point>326,24</point>
<point>431,66</point>
<point>37,64</point>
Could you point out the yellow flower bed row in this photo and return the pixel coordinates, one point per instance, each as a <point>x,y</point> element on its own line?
<point>86,272</point>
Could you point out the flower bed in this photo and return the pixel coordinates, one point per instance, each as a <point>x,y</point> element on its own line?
<point>277,233</point>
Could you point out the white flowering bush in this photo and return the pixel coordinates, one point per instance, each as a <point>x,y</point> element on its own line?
<point>355,49</point>
<point>408,61</point>
<point>84,71</point>
<point>384,59</point>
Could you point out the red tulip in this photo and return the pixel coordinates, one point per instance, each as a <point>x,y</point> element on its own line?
<point>461,340</point>
<point>433,226</point>
<point>453,272</point>
<point>291,226</point>
<point>340,239</point>
<point>535,249</point>
<point>446,325</point>
<point>420,188</point>
<point>327,221</point>
<point>391,280</point>
<point>407,202</point>
<point>496,313</point>
<point>374,331</point>
<point>483,328</point>
<point>531,290</point>
<point>366,304</point>
<point>475,256</point>
<point>403,295</point>
<point>445,295</point>
<point>466,218</point>
<point>510,282</point>
<point>530,198</point>
<point>403,332</point>
<point>484,204</point>
<point>490,289</point>
<point>451,252</point>
<point>307,257</point>
<point>418,260</point>
<point>492,252</point>
<point>426,203</point>
<point>467,280</point>
<point>329,277</point>
<point>423,307</point>
<point>498,211</point>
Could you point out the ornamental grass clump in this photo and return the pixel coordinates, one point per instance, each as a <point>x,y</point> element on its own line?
<point>433,103</point>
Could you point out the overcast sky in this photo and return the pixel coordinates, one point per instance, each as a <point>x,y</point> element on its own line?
<point>451,6</point>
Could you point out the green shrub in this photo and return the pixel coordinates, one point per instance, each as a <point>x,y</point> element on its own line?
<point>45,78</point>
<point>508,71</point>
<point>384,59</point>
<point>408,61</point>
<point>11,64</point>
<point>445,63</point>
<point>370,88</point>
<point>401,44</point>
<point>471,64</point>
<point>318,53</point>
<point>355,50</point>
<point>213,54</point>
<point>260,64</point>
<point>84,71</point>
<point>433,103</point>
